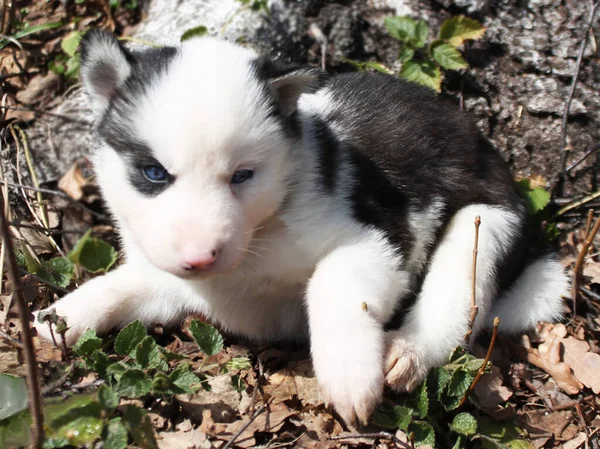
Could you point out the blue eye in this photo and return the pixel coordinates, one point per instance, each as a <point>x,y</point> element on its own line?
<point>156,173</point>
<point>241,176</point>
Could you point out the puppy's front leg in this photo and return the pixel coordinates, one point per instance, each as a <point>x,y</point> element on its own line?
<point>111,301</point>
<point>351,295</point>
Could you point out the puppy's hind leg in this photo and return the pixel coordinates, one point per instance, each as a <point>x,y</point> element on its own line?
<point>440,318</point>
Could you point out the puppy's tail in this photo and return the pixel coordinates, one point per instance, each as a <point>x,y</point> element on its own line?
<point>536,295</point>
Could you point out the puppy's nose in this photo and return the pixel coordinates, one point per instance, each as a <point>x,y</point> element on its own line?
<point>200,260</point>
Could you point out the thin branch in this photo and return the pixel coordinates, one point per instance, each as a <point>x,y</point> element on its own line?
<point>12,341</point>
<point>33,383</point>
<point>590,293</point>
<point>45,282</point>
<point>474,307</point>
<point>43,112</point>
<point>258,411</point>
<point>577,271</point>
<point>57,193</point>
<point>588,223</point>
<point>577,203</point>
<point>587,154</point>
<point>485,362</point>
<point>563,127</point>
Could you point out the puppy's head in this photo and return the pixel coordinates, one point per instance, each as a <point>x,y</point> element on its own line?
<point>196,145</point>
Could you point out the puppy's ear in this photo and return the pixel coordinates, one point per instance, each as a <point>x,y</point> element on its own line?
<point>287,82</point>
<point>105,65</point>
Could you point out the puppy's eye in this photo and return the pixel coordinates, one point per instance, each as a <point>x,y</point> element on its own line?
<point>156,173</point>
<point>241,176</point>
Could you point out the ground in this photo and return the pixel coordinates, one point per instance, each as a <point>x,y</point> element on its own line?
<point>541,390</point>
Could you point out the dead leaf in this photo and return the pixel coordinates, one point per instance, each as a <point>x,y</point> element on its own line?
<point>299,381</point>
<point>38,85</point>
<point>5,302</point>
<point>9,360</point>
<point>223,401</point>
<point>209,426</point>
<point>585,364</point>
<point>265,422</point>
<point>576,442</point>
<point>489,390</point>
<point>592,271</point>
<point>184,437</point>
<point>79,180</point>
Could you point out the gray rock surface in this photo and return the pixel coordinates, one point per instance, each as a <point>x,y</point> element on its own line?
<point>516,87</point>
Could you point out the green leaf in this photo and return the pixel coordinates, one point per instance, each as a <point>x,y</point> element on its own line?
<point>398,417</point>
<point>421,34</point>
<point>160,382</point>
<point>459,383</point>
<point>87,343</point>
<point>129,337</point>
<point>423,401</point>
<point>16,431</point>
<point>402,28</point>
<point>70,43</point>
<point>133,384</point>
<point>79,426</point>
<point>456,30</point>
<point>406,54</point>
<point>95,255</point>
<point>13,391</point>
<point>108,397</point>
<point>520,444</point>
<point>194,32</point>
<point>239,363</point>
<point>116,370</point>
<point>423,433</point>
<point>536,199</point>
<point>58,271</point>
<point>464,424</point>
<point>403,416</point>
<point>449,57</point>
<point>438,379</point>
<point>139,426</point>
<point>115,435</point>
<point>72,69</point>
<point>207,337</point>
<point>31,30</point>
<point>459,443</point>
<point>183,380</point>
<point>425,73</point>
<point>100,362</point>
<point>146,351</point>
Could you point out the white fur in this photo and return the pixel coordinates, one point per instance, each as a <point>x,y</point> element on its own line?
<point>423,224</point>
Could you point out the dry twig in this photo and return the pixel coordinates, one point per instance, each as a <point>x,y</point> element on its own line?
<point>485,362</point>
<point>33,384</point>
<point>474,308</point>
<point>577,271</point>
<point>258,411</point>
<point>574,204</point>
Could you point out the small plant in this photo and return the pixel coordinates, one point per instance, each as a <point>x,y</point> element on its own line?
<point>421,62</point>
<point>139,368</point>
<point>67,63</point>
<point>431,411</point>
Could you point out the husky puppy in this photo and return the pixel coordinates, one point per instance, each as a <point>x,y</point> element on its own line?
<point>286,205</point>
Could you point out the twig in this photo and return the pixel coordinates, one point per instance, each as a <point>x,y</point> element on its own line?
<point>33,384</point>
<point>587,154</point>
<point>315,32</point>
<point>45,282</point>
<point>563,126</point>
<point>13,341</point>
<point>474,308</point>
<point>590,293</point>
<point>577,271</point>
<point>485,362</point>
<point>577,203</point>
<point>258,411</point>
<point>57,193</point>
<point>588,223</point>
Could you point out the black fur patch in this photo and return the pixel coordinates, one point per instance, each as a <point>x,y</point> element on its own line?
<point>328,155</point>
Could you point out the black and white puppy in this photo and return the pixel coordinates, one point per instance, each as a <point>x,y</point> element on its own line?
<point>286,205</point>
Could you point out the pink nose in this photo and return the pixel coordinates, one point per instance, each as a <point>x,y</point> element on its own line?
<point>200,260</point>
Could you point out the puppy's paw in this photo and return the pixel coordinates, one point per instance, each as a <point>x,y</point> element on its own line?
<point>353,395</point>
<point>406,364</point>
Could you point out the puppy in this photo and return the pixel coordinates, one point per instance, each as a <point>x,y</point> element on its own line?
<point>283,204</point>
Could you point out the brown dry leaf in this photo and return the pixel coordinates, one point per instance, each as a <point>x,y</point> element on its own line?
<point>585,364</point>
<point>592,271</point>
<point>9,360</point>
<point>276,419</point>
<point>489,390</point>
<point>223,401</point>
<point>79,180</point>
<point>208,425</point>
<point>5,302</point>
<point>576,442</point>
<point>298,380</point>
<point>37,87</point>
<point>184,437</point>
<point>45,351</point>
